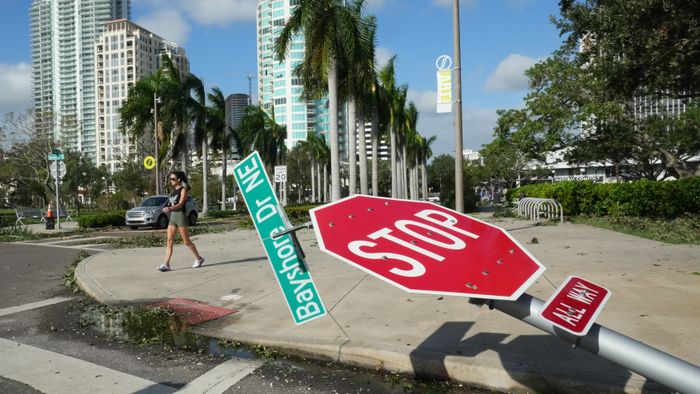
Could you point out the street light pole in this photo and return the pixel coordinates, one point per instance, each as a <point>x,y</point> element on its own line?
<point>459,158</point>
<point>155,134</point>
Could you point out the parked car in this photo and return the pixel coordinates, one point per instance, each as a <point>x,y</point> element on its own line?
<point>150,213</point>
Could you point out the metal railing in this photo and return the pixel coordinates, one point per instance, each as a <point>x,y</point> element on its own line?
<point>538,207</point>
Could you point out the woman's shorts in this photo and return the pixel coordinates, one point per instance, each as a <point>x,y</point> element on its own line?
<point>178,219</point>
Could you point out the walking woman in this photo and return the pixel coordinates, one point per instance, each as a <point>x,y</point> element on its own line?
<point>178,220</point>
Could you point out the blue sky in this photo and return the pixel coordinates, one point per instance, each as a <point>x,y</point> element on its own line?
<point>500,39</point>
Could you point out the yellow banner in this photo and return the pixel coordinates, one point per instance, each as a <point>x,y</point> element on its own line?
<point>444,91</point>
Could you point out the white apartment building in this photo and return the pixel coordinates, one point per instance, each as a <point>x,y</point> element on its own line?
<point>279,88</point>
<point>62,40</point>
<point>124,54</point>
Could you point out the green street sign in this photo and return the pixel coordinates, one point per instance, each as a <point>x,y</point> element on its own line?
<point>289,266</point>
<point>56,156</point>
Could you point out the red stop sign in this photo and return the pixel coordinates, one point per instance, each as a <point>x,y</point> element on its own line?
<point>423,247</point>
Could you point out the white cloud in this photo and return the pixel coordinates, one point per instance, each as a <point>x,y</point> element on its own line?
<point>510,74</point>
<point>16,82</point>
<point>477,123</point>
<point>383,55</point>
<point>219,12</point>
<point>167,23</point>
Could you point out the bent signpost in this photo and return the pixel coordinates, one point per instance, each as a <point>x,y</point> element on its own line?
<point>417,246</point>
<point>286,259</point>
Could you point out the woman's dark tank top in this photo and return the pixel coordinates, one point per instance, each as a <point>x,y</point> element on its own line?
<point>175,199</point>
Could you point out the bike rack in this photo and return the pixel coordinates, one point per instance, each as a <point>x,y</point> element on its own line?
<point>536,207</point>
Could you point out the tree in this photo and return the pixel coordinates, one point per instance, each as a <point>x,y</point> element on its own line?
<point>216,130</point>
<point>387,79</point>
<point>179,112</point>
<point>259,131</point>
<point>132,180</point>
<point>441,174</point>
<point>425,153</point>
<point>330,32</point>
<point>593,95</point>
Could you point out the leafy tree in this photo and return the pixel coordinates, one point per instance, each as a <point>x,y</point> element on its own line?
<point>617,61</point>
<point>441,173</point>
<point>133,181</point>
<point>298,176</point>
<point>259,131</point>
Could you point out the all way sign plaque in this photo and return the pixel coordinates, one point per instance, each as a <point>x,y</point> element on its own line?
<point>575,305</point>
<point>294,279</point>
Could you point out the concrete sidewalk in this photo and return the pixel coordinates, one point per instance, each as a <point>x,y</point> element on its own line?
<point>655,286</point>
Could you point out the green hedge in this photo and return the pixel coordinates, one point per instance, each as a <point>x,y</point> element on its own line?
<point>99,220</point>
<point>643,198</point>
<point>222,214</point>
<point>298,214</point>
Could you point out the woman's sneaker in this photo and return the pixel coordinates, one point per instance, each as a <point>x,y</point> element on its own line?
<point>164,268</point>
<point>198,263</point>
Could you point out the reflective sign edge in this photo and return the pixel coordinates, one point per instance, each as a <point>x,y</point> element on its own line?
<point>513,297</point>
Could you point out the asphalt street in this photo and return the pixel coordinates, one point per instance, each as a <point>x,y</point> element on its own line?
<point>44,336</point>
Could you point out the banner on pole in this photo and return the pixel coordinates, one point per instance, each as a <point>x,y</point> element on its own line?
<point>444,84</point>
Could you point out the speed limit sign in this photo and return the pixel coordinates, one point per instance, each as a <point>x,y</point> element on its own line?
<point>280,174</point>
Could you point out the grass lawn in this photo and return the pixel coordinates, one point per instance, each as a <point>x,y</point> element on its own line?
<point>682,230</point>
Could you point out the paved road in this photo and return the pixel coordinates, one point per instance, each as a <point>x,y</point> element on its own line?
<point>47,347</point>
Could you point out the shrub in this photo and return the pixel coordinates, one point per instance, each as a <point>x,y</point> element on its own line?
<point>298,214</point>
<point>99,220</point>
<point>643,198</point>
<point>222,214</point>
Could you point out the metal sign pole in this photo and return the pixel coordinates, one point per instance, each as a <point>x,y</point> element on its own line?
<point>622,350</point>
<point>58,204</point>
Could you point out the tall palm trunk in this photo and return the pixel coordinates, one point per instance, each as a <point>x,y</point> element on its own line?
<point>319,190</point>
<point>325,183</point>
<point>375,152</point>
<point>352,157</point>
<point>394,168</point>
<point>183,152</point>
<point>313,181</point>
<point>205,177</point>
<point>425,181</point>
<point>333,117</point>
<point>223,178</point>
<point>363,154</point>
<point>404,168</point>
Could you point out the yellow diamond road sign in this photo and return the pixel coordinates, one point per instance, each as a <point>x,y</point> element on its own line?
<point>149,162</point>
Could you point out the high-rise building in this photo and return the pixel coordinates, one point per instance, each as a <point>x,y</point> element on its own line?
<point>63,35</point>
<point>125,53</point>
<point>279,90</point>
<point>235,109</point>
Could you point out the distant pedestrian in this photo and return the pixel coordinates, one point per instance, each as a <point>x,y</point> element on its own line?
<point>178,220</point>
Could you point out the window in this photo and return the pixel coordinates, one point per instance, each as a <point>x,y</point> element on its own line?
<point>282,100</point>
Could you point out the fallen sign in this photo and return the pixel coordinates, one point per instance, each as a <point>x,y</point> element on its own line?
<point>403,246</point>
<point>423,247</point>
<point>575,305</point>
<point>283,253</point>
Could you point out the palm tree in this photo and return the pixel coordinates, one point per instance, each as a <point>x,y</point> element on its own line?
<point>180,110</point>
<point>216,129</point>
<point>362,78</point>
<point>396,98</point>
<point>137,112</point>
<point>329,31</point>
<point>425,153</point>
<point>409,149</point>
<point>258,131</point>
